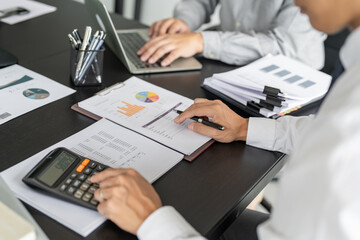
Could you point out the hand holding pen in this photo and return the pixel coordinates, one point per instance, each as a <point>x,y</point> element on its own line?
<point>235,127</point>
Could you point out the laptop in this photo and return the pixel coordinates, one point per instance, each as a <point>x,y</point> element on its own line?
<point>125,44</point>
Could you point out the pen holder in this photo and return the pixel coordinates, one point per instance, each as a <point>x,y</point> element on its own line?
<point>90,72</point>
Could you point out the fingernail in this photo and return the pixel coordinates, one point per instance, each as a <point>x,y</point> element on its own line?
<point>176,119</point>
<point>164,63</point>
<point>191,126</point>
<point>151,60</point>
<point>92,179</point>
<point>143,58</point>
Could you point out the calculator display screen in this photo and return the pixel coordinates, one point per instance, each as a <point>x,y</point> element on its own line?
<point>57,168</point>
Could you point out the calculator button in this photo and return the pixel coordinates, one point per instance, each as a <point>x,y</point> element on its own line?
<point>84,186</point>
<point>87,171</point>
<point>92,165</point>
<point>76,183</point>
<point>99,168</point>
<point>71,190</point>
<point>94,202</point>
<point>68,181</point>
<point>63,187</point>
<point>73,175</point>
<point>85,162</point>
<point>78,193</point>
<point>82,177</point>
<point>87,197</point>
<point>80,168</point>
<point>92,189</point>
<point>88,180</point>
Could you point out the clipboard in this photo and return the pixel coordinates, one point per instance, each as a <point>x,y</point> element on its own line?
<point>116,86</point>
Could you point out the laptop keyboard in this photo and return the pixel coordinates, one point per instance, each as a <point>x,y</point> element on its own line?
<point>132,42</point>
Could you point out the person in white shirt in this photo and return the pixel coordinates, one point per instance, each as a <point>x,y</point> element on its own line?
<point>248,31</point>
<point>317,196</point>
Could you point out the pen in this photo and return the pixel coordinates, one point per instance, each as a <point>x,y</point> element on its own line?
<point>82,50</point>
<point>203,121</point>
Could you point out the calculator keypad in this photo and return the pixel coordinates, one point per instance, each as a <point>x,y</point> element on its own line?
<point>78,183</point>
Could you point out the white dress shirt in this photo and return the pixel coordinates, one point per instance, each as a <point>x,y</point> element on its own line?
<point>318,196</point>
<point>251,29</point>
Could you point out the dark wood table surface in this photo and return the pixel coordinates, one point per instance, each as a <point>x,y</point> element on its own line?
<point>208,192</point>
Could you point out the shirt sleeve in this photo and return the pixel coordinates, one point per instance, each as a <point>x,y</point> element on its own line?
<point>276,135</point>
<point>167,223</point>
<point>195,12</point>
<point>291,35</point>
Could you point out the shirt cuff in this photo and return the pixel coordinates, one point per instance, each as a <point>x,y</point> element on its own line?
<point>165,223</point>
<point>212,44</point>
<point>261,133</point>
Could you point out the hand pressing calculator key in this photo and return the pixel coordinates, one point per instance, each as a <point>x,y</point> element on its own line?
<point>66,175</point>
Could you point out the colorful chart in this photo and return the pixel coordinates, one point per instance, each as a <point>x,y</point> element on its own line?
<point>129,109</point>
<point>36,93</point>
<point>23,79</point>
<point>147,97</point>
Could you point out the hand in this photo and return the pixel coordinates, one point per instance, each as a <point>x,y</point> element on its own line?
<point>175,45</point>
<point>169,25</point>
<point>235,126</point>
<point>125,197</point>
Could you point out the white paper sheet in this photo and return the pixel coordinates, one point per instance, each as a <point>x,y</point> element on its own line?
<point>22,90</point>
<point>105,142</point>
<point>35,9</point>
<point>147,109</point>
<point>297,80</point>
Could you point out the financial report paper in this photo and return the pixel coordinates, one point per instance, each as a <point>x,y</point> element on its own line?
<point>107,143</point>
<point>148,110</point>
<point>22,90</point>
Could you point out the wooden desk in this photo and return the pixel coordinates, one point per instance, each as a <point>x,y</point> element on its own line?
<point>209,192</point>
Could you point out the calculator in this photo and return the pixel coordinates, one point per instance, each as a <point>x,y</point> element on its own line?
<point>66,175</point>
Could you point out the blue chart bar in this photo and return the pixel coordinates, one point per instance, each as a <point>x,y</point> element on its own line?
<point>25,78</point>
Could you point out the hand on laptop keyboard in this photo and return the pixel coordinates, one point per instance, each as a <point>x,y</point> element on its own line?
<point>169,25</point>
<point>175,45</point>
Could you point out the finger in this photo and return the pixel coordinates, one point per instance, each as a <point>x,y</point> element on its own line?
<point>153,49</point>
<point>156,29</point>
<point>160,52</point>
<point>201,100</point>
<point>151,30</point>
<point>178,28</point>
<point>170,58</point>
<point>197,109</point>
<point>117,180</point>
<point>117,192</point>
<point>107,173</point>
<point>148,45</point>
<point>203,129</point>
<point>165,26</point>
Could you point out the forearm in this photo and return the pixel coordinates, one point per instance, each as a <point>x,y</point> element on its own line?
<point>195,12</point>
<point>167,223</point>
<point>276,135</point>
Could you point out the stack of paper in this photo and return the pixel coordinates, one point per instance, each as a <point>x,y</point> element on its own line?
<point>272,86</point>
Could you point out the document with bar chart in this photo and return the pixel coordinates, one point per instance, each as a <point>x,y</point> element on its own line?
<point>24,90</point>
<point>148,110</point>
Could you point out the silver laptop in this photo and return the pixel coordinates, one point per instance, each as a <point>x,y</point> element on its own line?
<point>125,44</point>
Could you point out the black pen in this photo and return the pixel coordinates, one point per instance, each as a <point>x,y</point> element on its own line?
<point>203,121</point>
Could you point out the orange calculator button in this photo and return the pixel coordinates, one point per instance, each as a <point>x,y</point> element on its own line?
<point>80,168</point>
<point>85,162</point>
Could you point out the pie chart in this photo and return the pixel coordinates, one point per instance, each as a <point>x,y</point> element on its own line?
<point>147,97</point>
<point>36,93</point>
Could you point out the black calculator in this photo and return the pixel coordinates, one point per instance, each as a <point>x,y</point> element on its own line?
<point>66,175</point>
